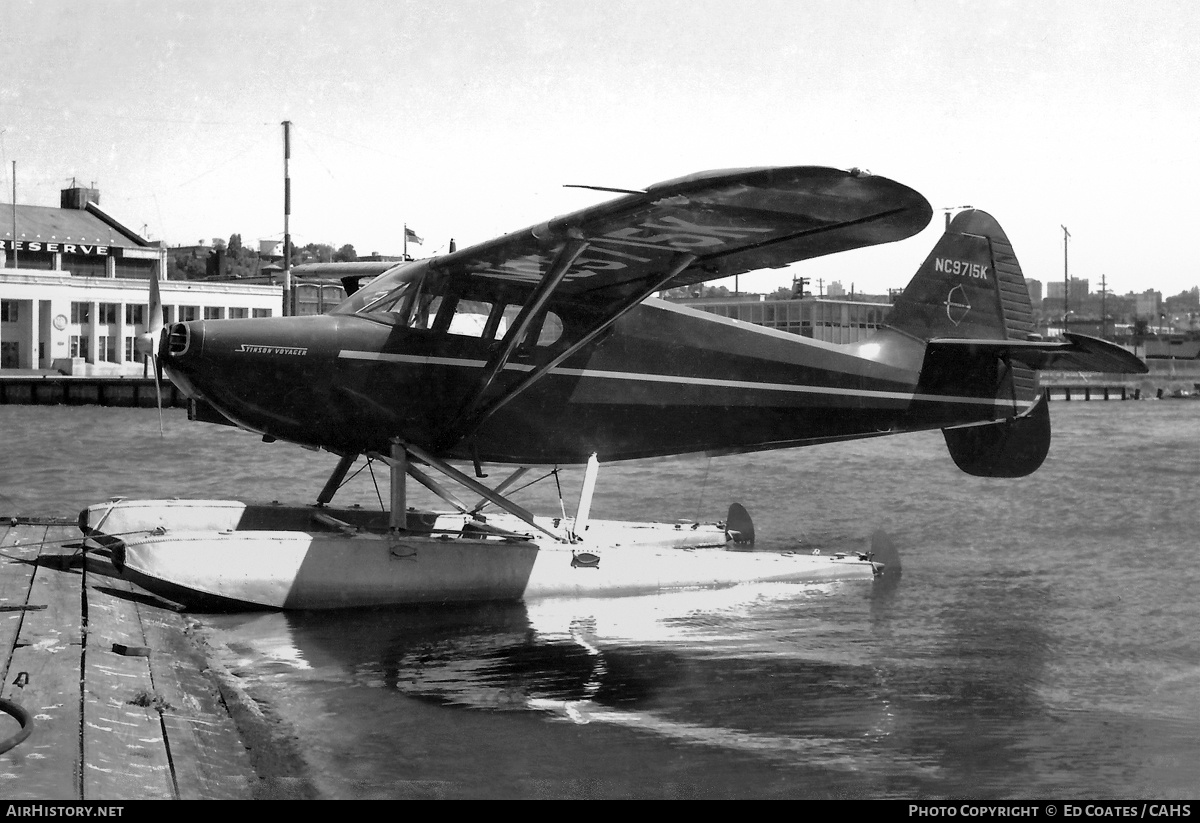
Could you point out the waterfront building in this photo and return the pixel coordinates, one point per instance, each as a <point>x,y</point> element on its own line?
<point>1035,291</point>
<point>833,321</point>
<point>74,289</point>
<point>1148,305</point>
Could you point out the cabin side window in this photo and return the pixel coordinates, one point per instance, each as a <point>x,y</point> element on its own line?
<point>423,303</point>
<point>552,329</point>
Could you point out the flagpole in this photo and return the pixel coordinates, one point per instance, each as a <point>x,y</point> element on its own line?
<point>287,213</point>
<point>405,241</point>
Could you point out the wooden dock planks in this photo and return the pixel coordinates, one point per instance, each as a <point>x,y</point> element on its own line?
<point>43,671</point>
<point>124,748</point>
<point>210,760</point>
<point>123,705</point>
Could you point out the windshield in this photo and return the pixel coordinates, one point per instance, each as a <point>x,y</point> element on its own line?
<point>371,292</point>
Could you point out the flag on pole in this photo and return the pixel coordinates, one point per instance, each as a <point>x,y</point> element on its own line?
<point>410,235</point>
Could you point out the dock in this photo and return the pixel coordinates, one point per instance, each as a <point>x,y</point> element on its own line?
<point>108,692</point>
<point>67,390</point>
<point>1087,391</point>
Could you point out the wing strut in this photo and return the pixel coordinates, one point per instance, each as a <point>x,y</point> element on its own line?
<point>680,264</point>
<point>520,327</point>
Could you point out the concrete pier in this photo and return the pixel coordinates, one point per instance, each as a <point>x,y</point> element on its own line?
<point>124,704</point>
<point>60,390</point>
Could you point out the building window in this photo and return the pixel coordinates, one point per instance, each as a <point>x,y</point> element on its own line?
<point>237,313</point>
<point>135,315</point>
<point>83,266</point>
<point>135,269</point>
<point>106,348</point>
<point>79,346</point>
<point>168,314</point>
<point>81,313</point>
<point>130,349</point>
<point>106,312</point>
<point>307,297</point>
<point>262,312</point>
<point>8,311</point>
<point>187,313</point>
<point>213,313</point>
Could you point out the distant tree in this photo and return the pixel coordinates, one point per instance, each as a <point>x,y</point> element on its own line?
<point>234,247</point>
<point>317,253</point>
<point>1141,330</point>
<point>345,254</point>
<point>186,267</point>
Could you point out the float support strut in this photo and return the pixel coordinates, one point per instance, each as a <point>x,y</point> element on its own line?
<point>335,480</point>
<point>398,519</point>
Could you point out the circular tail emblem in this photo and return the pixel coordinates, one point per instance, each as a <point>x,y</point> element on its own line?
<point>957,305</point>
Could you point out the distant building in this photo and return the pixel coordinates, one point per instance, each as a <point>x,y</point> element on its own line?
<point>1078,292</point>
<point>74,289</point>
<point>1148,305</point>
<point>833,321</point>
<point>1035,291</point>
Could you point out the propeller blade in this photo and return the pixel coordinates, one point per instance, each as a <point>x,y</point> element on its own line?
<point>148,342</point>
<point>158,390</point>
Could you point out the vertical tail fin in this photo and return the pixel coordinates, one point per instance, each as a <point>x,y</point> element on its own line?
<point>970,287</point>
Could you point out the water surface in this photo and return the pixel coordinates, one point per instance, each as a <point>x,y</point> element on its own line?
<point>1041,641</point>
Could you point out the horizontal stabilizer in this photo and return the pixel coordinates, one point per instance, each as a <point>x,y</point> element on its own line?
<point>1079,352</point>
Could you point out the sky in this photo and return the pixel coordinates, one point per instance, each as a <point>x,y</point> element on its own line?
<point>465,119</point>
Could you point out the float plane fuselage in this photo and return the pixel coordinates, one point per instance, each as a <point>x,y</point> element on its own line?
<point>545,346</point>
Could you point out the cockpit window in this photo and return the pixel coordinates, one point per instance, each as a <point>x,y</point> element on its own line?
<point>425,312</point>
<point>552,329</point>
<point>419,298</point>
<point>373,290</point>
<point>548,330</point>
<point>470,318</point>
<point>394,301</point>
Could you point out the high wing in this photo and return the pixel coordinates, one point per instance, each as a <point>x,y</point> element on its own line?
<point>1079,352</point>
<point>704,226</point>
<point>606,259</point>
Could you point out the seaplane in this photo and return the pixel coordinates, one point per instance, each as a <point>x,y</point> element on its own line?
<point>547,347</point>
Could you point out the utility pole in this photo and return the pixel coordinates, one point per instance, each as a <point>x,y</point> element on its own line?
<point>287,213</point>
<point>1103,304</point>
<point>14,215</point>
<point>1066,279</point>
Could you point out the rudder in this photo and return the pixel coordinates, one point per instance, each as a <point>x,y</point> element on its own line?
<point>1010,448</point>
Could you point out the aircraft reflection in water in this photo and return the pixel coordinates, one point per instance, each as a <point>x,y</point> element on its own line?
<point>545,347</point>
<point>614,662</point>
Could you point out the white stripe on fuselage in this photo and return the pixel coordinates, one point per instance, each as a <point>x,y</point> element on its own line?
<point>645,377</point>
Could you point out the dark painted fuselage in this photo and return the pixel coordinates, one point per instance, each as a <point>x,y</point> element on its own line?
<point>662,380</point>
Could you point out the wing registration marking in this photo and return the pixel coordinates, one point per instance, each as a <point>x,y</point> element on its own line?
<point>619,249</point>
